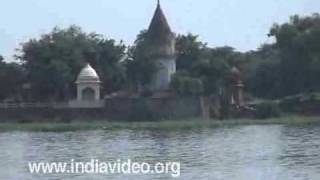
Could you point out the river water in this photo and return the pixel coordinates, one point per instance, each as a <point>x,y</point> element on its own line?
<point>267,152</point>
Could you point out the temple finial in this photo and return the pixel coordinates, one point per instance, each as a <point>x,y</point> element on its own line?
<point>158,2</point>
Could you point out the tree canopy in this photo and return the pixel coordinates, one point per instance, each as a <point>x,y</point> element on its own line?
<point>140,67</point>
<point>50,64</point>
<point>12,76</point>
<point>53,62</point>
<point>292,64</point>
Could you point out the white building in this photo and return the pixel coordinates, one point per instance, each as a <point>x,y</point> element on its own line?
<point>88,89</point>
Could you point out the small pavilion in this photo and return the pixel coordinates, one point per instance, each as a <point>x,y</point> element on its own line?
<point>88,89</point>
<point>88,84</point>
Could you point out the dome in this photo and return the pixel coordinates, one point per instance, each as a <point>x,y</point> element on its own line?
<point>88,75</point>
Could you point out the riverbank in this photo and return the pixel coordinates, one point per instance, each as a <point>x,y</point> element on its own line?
<point>160,125</point>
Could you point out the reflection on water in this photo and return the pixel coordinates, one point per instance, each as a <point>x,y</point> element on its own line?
<point>272,152</point>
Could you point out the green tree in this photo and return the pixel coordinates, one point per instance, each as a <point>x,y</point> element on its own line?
<point>200,69</point>
<point>53,61</point>
<point>262,78</point>
<point>140,67</point>
<point>189,50</point>
<point>298,42</point>
<point>213,73</point>
<point>292,64</point>
<point>12,76</point>
<point>186,85</point>
<point>205,74</point>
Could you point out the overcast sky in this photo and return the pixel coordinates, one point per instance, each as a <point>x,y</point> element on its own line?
<point>243,24</point>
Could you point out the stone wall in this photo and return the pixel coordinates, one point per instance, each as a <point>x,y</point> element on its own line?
<point>24,115</point>
<point>115,109</point>
<point>161,108</point>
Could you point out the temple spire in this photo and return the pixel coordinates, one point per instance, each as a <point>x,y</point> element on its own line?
<point>159,26</point>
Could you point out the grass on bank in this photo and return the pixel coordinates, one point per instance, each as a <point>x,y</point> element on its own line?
<point>160,125</point>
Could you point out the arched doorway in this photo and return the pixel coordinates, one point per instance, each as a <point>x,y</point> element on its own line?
<point>88,94</point>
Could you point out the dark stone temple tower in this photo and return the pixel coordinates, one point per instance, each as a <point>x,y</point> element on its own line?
<point>161,50</point>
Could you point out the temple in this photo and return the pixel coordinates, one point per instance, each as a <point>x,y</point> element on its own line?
<point>148,101</point>
<point>162,50</point>
<point>88,89</point>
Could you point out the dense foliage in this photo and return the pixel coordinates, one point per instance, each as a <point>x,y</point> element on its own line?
<point>53,62</point>
<point>47,67</point>
<point>12,77</point>
<point>200,69</point>
<point>292,64</point>
<point>268,110</point>
<point>140,67</point>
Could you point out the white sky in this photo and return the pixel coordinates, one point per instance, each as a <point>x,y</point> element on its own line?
<point>243,24</point>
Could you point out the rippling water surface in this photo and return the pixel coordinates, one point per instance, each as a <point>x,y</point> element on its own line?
<point>274,152</point>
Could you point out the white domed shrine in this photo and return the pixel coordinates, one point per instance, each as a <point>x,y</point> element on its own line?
<point>88,85</point>
<point>88,74</point>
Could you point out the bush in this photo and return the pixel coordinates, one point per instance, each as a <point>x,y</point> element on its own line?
<point>288,104</point>
<point>293,103</point>
<point>268,110</point>
<point>185,85</point>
